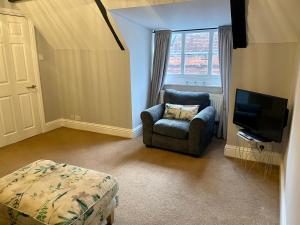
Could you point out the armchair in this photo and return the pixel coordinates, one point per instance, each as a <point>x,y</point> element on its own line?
<point>190,137</point>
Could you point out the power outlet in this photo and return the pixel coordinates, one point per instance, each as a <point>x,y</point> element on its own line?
<point>77,117</point>
<point>264,146</point>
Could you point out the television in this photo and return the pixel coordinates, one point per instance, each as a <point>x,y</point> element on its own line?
<point>262,116</point>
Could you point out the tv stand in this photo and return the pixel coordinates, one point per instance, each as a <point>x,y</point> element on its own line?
<point>248,135</point>
<point>250,147</point>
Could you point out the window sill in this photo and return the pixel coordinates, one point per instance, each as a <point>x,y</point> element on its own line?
<point>180,87</point>
<point>194,80</point>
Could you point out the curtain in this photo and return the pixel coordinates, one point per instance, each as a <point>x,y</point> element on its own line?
<point>225,55</point>
<point>160,64</point>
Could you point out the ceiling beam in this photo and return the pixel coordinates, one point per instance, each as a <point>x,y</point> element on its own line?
<point>105,16</point>
<point>13,1</point>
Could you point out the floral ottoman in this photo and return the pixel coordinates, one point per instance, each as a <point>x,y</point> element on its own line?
<point>46,192</point>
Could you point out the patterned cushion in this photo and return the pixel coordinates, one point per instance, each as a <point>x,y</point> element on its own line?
<point>172,111</point>
<point>188,112</point>
<point>180,112</point>
<point>46,192</point>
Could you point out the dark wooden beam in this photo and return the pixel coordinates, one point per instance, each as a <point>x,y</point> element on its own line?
<point>239,23</point>
<point>14,1</point>
<point>105,16</point>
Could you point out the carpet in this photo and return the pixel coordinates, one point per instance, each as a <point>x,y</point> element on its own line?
<point>158,187</point>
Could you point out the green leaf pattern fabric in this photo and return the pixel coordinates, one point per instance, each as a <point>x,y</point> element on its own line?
<point>46,192</point>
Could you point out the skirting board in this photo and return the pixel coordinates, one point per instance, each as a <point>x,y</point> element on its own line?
<point>49,126</point>
<point>137,131</point>
<point>248,153</point>
<point>97,128</point>
<point>282,195</point>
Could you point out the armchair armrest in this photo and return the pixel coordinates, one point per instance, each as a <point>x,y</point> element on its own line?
<point>149,117</point>
<point>201,129</point>
<point>204,116</point>
<point>153,114</point>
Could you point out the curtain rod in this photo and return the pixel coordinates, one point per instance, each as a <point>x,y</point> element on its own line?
<point>174,31</point>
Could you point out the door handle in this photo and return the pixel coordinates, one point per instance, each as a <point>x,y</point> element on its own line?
<point>31,87</point>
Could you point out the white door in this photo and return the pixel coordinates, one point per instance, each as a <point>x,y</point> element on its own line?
<point>19,112</point>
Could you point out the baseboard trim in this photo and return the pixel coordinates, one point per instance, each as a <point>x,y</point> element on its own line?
<point>137,131</point>
<point>49,126</point>
<point>98,128</point>
<point>233,151</point>
<point>93,127</point>
<point>282,195</point>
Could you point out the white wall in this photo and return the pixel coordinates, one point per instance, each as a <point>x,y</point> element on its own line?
<point>95,85</point>
<point>268,64</point>
<point>292,164</point>
<point>6,4</point>
<point>273,21</point>
<point>49,79</point>
<point>138,40</point>
<point>93,74</point>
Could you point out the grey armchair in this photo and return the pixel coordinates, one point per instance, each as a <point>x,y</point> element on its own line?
<point>190,137</point>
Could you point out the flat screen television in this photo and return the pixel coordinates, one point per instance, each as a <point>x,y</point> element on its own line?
<point>261,115</point>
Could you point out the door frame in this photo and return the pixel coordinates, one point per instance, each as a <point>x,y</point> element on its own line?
<point>36,70</point>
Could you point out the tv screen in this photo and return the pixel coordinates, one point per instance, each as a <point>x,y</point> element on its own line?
<point>260,114</point>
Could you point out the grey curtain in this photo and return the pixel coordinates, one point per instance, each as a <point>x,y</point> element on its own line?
<point>160,64</point>
<point>225,55</point>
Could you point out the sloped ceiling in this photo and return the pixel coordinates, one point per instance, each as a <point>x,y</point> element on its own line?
<point>186,15</point>
<point>70,24</point>
<point>118,4</point>
<point>78,24</point>
<point>269,21</point>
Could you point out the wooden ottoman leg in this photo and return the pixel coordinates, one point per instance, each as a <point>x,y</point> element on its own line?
<point>111,218</point>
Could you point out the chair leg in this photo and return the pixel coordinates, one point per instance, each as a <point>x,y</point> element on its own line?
<point>111,218</point>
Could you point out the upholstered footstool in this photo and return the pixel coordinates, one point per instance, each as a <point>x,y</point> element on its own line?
<point>46,192</point>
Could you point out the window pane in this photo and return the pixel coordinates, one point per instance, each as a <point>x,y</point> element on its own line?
<point>196,61</point>
<point>176,42</point>
<point>197,42</point>
<point>196,53</point>
<point>215,56</point>
<point>174,66</point>
<point>196,64</point>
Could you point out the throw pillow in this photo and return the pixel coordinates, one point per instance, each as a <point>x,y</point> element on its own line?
<point>188,112</point>
<point>172,111</point>
<point>180,112</point>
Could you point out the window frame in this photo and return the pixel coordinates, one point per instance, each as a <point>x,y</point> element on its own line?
<point>209,79</point>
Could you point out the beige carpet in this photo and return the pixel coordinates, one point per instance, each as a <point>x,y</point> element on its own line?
<point>159,187</point>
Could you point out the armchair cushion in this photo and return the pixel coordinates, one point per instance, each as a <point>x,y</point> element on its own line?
<point>172,128</point>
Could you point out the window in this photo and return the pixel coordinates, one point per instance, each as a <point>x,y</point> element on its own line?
<point>194,59</point>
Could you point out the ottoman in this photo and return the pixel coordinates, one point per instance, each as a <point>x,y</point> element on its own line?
<point>46,192</point>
